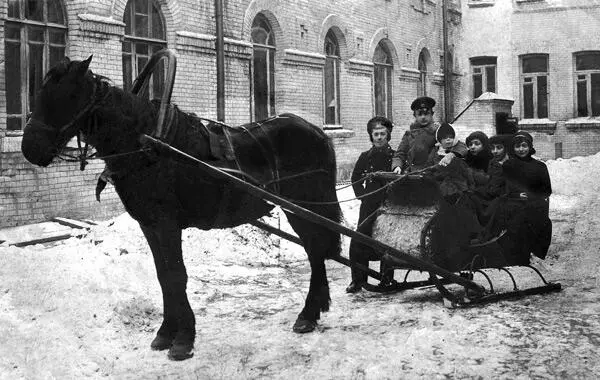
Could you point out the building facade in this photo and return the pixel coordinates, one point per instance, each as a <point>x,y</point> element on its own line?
<point>336,63</point>
<point>545,56</point>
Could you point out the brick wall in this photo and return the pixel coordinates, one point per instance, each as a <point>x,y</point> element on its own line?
<point>510,29</point>
<point>299,26</point>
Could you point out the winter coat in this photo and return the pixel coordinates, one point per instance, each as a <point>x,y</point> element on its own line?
<point>454,178</point>
<point>479,165</point>
<point>416,147</point>
<point>370,161</point>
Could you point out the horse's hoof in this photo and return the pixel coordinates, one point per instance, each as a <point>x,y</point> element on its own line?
<point>181,351</point>
<point>304,326</point>
<point>161,342</point>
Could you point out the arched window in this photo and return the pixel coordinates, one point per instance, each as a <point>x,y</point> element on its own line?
<point>35,37</point>
<point>332,79</point>
<point>383,68</point>
<point>144,35</point>
<point>263,44</point>
<point>422,87</point>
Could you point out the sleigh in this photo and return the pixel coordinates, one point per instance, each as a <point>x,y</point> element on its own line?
<point>416,230</point>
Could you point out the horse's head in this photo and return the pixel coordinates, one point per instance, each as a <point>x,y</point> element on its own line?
<point>66,95</point>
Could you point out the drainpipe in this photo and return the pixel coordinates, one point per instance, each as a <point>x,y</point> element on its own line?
<point>446,67</point>
<point>220,50</point>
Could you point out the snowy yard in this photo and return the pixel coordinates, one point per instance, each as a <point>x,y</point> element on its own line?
<point>88,307</point>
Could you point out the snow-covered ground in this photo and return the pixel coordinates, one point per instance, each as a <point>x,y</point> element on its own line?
<point>88,307</point>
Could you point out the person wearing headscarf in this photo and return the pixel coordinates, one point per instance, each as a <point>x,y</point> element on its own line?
<point>377,158</point>
<point>479,156</point>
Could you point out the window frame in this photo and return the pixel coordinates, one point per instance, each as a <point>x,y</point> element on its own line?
<point>153,45</point>
<point>483,64</point>
<point>587,74</point>
<point>25,25</point>
<point>270,51</point>
<point>423,69</point>
<point>388,73</point>
<point>534,82</point>
<point>334,60</point>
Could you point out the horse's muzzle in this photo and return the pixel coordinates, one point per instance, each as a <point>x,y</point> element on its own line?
<point>39,143</point>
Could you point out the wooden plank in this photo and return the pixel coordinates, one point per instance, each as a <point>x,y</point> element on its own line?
<point>47,239</point>
<point>71,222</point>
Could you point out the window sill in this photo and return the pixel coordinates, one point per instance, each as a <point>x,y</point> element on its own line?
<point>538,125</point>
<point>480,4</point>
<point>337,131</point>
<point>583,123</point>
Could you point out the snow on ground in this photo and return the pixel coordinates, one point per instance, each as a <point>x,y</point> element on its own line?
<point>88,307</point>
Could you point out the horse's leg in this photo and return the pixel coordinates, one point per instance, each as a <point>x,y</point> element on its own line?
<point>178,329</point>
<point>316,246</point>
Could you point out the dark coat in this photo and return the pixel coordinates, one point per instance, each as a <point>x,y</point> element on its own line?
<point>416,147</point>
<point>370,161</point>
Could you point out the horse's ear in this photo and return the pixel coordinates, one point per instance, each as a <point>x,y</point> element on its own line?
<point>84,65</point>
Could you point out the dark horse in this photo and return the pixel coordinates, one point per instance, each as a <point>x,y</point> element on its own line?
<point>165,194</point>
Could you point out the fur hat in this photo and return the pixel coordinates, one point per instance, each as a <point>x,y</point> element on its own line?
<point>422,102</point>
<point>377,120</point>
<point>444,130</point>
<point>478,135</point>
<point>521,136</point>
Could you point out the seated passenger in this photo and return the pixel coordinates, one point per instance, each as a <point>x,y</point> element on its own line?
<point>454,178</point>
<point>479,156</point>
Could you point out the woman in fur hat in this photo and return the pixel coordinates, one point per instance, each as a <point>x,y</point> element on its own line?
<point>479,156</point>
<point>526,211</point>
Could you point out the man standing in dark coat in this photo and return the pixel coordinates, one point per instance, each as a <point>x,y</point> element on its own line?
<point>378,158</point>
<point>419,141</point>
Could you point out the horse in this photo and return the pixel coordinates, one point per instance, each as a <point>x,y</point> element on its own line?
<point>164,193</point>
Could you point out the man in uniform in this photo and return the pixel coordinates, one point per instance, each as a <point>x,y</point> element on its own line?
<point>378,158</point>
<point>417,143</point>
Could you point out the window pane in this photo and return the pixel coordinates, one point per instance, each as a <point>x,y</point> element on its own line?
<point>272,82</point>
<point>141,49</point>
<point>477,86</point>
<point>587,61</point>
<point>582,99</point>
<point>141,62</point>
<point>490,78</point>
<point>331,44</point>
<point>13,123</point>
<point>479,61</point>
<point>141,6</point>
<point>380,87</point>
<point>158,79</point>
<point>595,94</point>
<point>34,10</point>
<point>57,37</point>
<point>389,99</point>
<point>12,32</point>
<point>141,26</point>
<point>528,101</point>
<point>158,31</point>
<point>542,96</point>
<point>36,71</point>
<point>382,55</point>
<point>35,34</point>
<point>55,12</point>
<point>12,68</point>
<point>13,8</point>
<point>330,91</point>
<point>535,64</point>
<point>127,19</point>
<point>127,75</point>
<point>56,54</point>
<point>261,89</point>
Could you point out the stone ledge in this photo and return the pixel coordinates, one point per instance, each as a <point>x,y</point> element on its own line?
<point>538,125</point>
<point>100,24</point>
<point>303,58</point>
<point>338,132</point>
<point>480,4</point>
<point>206,43</point>
<point>359,66</point>
<point>583,123</point>
<point>409,73</point>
